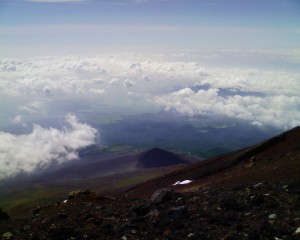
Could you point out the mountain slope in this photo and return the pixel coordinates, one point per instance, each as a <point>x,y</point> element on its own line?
<point>157,157</point>
<point>249,194</point>
<point>275,160</point>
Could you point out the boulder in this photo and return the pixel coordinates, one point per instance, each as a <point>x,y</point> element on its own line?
<point>161,195</point>
<point>3,215</point>
<point>73,194</point>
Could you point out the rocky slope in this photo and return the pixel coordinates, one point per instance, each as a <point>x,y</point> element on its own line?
<point>260,211</point>
<point>250,194</point>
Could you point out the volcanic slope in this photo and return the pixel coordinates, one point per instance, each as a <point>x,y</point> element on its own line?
<point>98,167</point>
<point>274,160</point>
<point>249,194</point>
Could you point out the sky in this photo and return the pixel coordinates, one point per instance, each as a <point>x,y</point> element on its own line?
<point>72,61</point>
<point>39,27</point>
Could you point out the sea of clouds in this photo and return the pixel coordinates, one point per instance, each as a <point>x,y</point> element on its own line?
<point>51,87</point>
<point>43,147</point>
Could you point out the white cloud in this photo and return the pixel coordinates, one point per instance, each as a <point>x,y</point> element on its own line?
<point>98,91</point>
<point>115,81</point>
<point>129,83</point>
<point>50,86</point>
<point>280,111</point>
<point>18,120</point>
<point>146,78</point>
<point>43,147</point>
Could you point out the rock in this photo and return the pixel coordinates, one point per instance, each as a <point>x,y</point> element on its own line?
<point>191,235</point>
<point>3,215</point>
<point>40,208</point>
<point>142,209</point>
<point>61,233</point>
<point>161,195</point>
<point>257,185</point>
<point>167,233</point>
<point>257,200</point>
<point>62,215</point>
<point>73,194</point>
<point>177,213</point>
<point>230,203</point>
<point>218,213</point>
<point>46,220</point>
<point>253,235</point>
<point>153,213</point>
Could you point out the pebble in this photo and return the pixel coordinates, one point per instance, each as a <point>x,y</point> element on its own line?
<point>124,238</point>
<point>273,216</point>
<point>191,235</point>
<point>257,185</point>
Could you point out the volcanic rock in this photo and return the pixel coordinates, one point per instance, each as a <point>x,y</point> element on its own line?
<point>3,215</point>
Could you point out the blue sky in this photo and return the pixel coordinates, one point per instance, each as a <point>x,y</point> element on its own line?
<point>38,25</point>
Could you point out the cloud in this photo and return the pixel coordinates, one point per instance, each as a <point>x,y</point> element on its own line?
<point>280,111</point>
<point>51,86</point>
<point>129,83</point>
<point>98,91</point>
<point>43,147</point>
<point>146,78</point>
<point>18,120</point>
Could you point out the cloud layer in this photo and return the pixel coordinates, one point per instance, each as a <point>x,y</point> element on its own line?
<point>279,110</point>
<point>43,147</point>
<point>36,88</point>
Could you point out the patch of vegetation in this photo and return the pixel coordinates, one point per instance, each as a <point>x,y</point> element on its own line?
<point>19,203</point>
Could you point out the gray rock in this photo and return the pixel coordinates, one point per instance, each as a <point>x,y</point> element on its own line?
<point>73,194</point>
<point>153,213</point>
<point>161,195</point>
<point>141,209</point>
<point>191,235</point>
<point>177,213</point>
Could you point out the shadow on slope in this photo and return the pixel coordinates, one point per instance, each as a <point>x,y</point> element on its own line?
<point>157,157</point>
